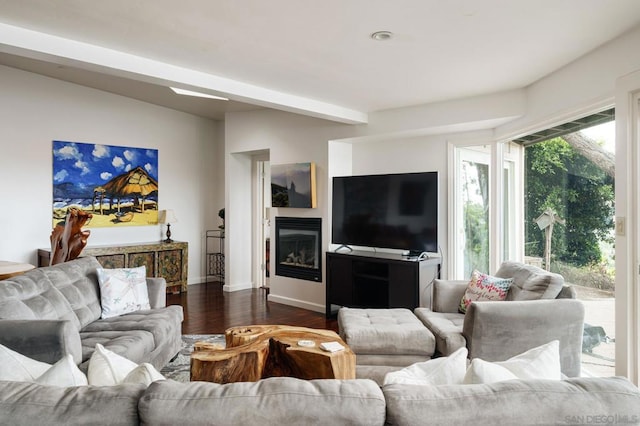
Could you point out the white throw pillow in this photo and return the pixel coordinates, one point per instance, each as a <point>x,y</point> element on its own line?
<point>19,368</point>
<point>107,368</point>
<point>448,370</point>
<point>542,362</point>
<point>123,290</point>
<point>63,373</point>
<point>16,367</point>
<point>481,371</point>
<point>144,374</point>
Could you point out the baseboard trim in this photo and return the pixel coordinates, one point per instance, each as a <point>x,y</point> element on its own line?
<point>196,280</point>
<point>237,287</point>
<point>296,302</point>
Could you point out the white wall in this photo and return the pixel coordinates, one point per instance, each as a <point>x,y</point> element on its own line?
<point>414,138</point>
<point>577,89</point>
<point>291,139</point>
<point>36,110</point>
<point>288,138</point>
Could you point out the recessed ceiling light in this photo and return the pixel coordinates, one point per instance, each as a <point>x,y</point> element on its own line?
<point>381,35</point>
<point>197,94</point>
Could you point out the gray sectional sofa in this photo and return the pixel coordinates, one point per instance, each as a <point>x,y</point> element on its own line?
<point>279,401</point>
<point>52,311</point>
<point>539,308</point>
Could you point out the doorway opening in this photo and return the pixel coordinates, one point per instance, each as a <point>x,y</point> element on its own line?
<point>262,222</point>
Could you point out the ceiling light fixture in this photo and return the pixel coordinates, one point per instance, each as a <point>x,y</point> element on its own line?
<point>381,35</point>
<point>197,94</point>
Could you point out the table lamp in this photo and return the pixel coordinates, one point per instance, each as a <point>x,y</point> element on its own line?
<point>168,217</point>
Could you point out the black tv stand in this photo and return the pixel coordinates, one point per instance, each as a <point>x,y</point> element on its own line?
<point>417,255</point>
<point>361,279</point>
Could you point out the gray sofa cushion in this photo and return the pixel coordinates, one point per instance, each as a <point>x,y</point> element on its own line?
<point>32,404</point>
<point>384,332</point>
<point>135,345</point>
<point>33,296</point>
<point>78,282</point>
<point>515,402</point>
<point>274,401</point>
<point>376,373</point>
<point>496,331</point>
<point>446,327</point>
<point>530,282</point>
<point>144,336</point>
<point>159,322</point>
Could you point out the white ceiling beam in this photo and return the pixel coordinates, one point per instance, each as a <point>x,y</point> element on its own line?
<point>37,45</point>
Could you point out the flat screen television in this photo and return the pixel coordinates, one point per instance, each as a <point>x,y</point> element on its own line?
<point>393,211</point>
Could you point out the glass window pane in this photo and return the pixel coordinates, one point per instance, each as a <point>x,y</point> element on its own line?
<point>475,204</point>
<point>569,217</point>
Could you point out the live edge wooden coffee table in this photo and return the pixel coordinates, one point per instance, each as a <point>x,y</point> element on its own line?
<point>260,351</point>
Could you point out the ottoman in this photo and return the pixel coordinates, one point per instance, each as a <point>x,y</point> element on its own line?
<point>385,337</point>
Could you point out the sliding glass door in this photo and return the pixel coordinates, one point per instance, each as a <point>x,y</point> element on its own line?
<point>627,227</point>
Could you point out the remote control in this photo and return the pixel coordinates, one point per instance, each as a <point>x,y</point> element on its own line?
<point>331,346</point>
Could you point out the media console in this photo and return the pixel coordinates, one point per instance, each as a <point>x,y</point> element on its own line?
<point>166,260</point>
<point>362,279</point>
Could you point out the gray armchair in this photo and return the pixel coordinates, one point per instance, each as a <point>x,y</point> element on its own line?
<point>539,308</point>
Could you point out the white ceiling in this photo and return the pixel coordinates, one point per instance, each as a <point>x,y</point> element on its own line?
<point>305,55</point>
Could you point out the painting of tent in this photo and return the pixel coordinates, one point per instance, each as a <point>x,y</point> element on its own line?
<point>118,185</point>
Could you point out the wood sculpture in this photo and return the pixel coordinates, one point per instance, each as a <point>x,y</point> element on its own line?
<point>68,239</point>
<point>260,351</point>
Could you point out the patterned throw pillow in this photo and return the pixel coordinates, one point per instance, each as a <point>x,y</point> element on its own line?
<point>123,291</point>
<point>483,287</point>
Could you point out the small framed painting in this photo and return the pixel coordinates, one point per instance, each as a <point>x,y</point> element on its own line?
<point>293,185</point>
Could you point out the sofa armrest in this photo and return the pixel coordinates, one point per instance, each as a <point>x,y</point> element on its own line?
<point>496,331</point>
<point>447,295</point>
<point>43,340</point>
<point>157,289</point>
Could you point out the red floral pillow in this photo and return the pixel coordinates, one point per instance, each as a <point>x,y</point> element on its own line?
<point>483,287</point>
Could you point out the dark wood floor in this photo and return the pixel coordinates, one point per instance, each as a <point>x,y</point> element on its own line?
<point>209,310</point>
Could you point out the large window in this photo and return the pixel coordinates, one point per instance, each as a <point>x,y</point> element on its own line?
<point>551,205</point>
<point>472,244</point>
<point>569,216</point>
<point>473,216</point>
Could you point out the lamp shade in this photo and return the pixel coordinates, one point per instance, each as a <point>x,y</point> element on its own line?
<point>167,216</point>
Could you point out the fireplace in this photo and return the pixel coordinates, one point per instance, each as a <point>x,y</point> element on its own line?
<point>298,248</point>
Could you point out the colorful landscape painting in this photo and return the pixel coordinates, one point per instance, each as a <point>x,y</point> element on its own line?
<point>118,185</point>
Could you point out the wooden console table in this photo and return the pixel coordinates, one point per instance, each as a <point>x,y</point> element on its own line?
<point>166,260</point>
<point>11,269</point>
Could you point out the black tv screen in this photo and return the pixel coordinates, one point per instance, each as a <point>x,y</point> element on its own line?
<point>394,211</point>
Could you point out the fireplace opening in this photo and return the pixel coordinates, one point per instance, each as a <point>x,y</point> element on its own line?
<point>298,248</point>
